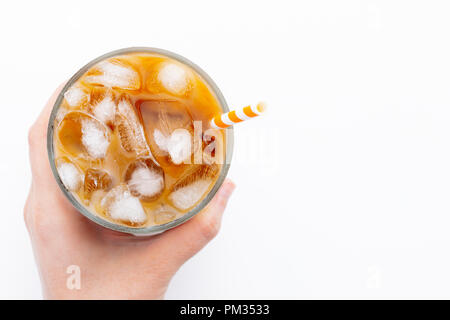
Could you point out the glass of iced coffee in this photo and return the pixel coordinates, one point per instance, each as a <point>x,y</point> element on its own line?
<point>130,141</point>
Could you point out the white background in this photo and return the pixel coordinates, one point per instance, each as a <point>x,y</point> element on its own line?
<point>343,188</point>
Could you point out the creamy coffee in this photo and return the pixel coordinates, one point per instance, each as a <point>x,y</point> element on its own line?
<point>132,139</point>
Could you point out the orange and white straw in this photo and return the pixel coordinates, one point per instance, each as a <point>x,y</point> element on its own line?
<point>228,119</point>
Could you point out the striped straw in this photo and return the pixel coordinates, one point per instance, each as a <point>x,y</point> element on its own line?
<point>228,119</point>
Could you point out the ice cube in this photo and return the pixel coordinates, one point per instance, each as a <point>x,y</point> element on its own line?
<point>145,179</point>
<point>164,214</point>
<point>146,182</point>
<point>60,115</point>
<point>160,140</point>
<point>115,74</point>
<point>70,176</point>
<point>174,78</point>
<point>169,127</point>
<point>105,109</point>
<point>96,179</point>
<point>189,190</point>
<point>187,196</point>
<point>94,138</point>
<point>179,146</point>
<point>129,129</point>
<point>82,135</point>
<point>121,205</point>
<point>75,96</point>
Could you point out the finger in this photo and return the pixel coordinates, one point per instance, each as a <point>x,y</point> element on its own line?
<point>182,242</point>
<point>37,137</point>
<point>44,189</point>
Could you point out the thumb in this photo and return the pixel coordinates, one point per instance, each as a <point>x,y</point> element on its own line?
<point>181,243</point>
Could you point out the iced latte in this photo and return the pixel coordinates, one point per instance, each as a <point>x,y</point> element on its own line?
<point>132,141</point>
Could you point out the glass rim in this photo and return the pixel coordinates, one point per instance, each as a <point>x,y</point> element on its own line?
<point>148,230</point>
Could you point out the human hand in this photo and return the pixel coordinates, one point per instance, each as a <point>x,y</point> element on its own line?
<point>112,265</point>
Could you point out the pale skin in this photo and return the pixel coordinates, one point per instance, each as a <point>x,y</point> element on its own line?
<point>112,265</point>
